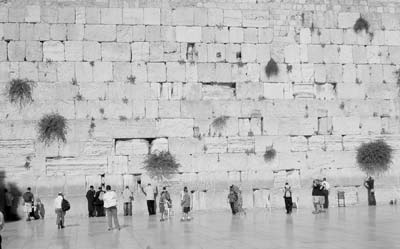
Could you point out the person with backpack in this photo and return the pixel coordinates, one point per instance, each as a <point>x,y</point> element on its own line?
<point>99,203</point>
<point>61,206</point>
<point>28,199</point>
<point>287,196</point>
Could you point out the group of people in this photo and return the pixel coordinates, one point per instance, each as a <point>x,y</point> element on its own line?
<point>33,208</point>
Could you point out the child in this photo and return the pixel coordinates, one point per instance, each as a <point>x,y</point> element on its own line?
<point>39,212</point>
<point>163,205</point>
<point>185,203</point>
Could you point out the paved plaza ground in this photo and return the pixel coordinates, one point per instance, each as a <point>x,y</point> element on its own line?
<point>350,227</point>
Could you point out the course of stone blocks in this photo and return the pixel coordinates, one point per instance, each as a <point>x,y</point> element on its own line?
<point>133,77</point>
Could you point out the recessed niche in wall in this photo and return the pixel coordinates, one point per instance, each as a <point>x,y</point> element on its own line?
<point>219,90</point>
<point>191,53</point>
<point>139,146</point>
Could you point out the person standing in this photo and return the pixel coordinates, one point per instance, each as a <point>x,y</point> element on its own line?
<point>8,201</point>
<point>318,196</point>
<point>59,211</point>
<point>326,187</point>
<point>232,200</point>
<point>369,184</point>
<point>28,199</point>
<point>90,194</point>
<point>287,195</point>
<point>127,196</point>
<point>98,203</point>
<point>1,226</point>
<point>185,203</point>
<point>150,194</point>
<point>110,204</point>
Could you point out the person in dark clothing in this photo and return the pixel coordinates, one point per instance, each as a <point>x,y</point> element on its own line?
<point>318,196</point>
<point>369,184</point>
<point>90,196</point>
<point>232,199</point>
<point>28,200</point>
<point>325,187</point>
<point>287,195</point>
<point>99,203</point>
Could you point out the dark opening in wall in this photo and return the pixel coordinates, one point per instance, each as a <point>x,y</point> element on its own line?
<point>239,55</point>
<point>191,53</point>
<point>213,90</point>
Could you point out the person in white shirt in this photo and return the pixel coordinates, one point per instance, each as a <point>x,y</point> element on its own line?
<point>325,189</point>
<point>150,194</point>
<point>1,226</point>
<point>127,196</point>
<point>58,209</point>
<point>110,204</point>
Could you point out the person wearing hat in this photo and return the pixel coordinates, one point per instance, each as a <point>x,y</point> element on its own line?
<point>58,209</point>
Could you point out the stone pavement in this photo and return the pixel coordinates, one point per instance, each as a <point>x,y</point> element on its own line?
<point>351,227</point>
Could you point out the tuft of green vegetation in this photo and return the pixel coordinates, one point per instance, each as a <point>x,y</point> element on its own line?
<point>361,24</point>
<point>131,79</point>
<point>74,82</point>
<point>374,157</point>
<point>161,165</point>
<point>125,100</point>
<point>220,122</point>
<point>78,97</point>
<point>269,154</point>
<point>19,91</point>
<point>271,68</point>
<point>397,73</point>
<point>52,127</point>
<point>122,118</point>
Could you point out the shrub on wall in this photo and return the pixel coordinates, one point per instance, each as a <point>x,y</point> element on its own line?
<point>271,68</point>
<point>220,122</point>
<point>19,91</point>
<point>161,165</point>
<point>269,154</point>
<point>52,127</point>
<point>361,24</point>
<point>374,157</point>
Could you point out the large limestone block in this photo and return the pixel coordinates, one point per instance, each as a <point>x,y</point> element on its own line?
<point>169,109</point>
<point>236,35</point>
<point>186,146</point>
<point>11,31</point>
<point>331,159</point>
<point>215,145</point>
<point>151,108</point>
<point>49,186</point>
<point>91,51</point>
<point>21,148</point>
<point>58,32</point>
<point>231,162</point>
<point>255,18</point>
<point>345,54</point>
<point>33,51</point>
<point>102,72</point>
<point>346,125</point>
<point>232,18</point>
<point>298,143</point>
<point>111,15</point>
<point>53,51</point>
<point>371,125</point>
<point>196,109</point>
<point>279,143</point>
<point>116,51</point>
<point>292,160</point>
<point>249,52</point>
<point>97,147</point>
<point>215,16</point>
<point>218,91</point>
<point>192,91</point>
<point>175,127</point>
<point>215,52</point>
<point>315,53</point>
<point>124,33</point>
<point>16,51</point>
<point>298,126</point>
<point>292,54</point>
<point>188,34</point>
<point>151,16</point>
<point>229,128</point>
<point>176,72</point>
<point>392,38</point>
<point>241,144</point>
<point>159,144</point>
<point>153,33</point>
<point>132,16</point>
<point>132,147</point>
<point>331,54</point>
<point>23,129</point>
<point>76,166</point>
<point>156,72</point>
<point>333,143</point>
<point>139,70</point>
<point>143,128</point>
<point>117,164</point>
<point>73,50</point>
<point>183,16</point>
<point>347,19</point>
<point>221,34</point>
<point>200,17</point>
<point>100,33</point>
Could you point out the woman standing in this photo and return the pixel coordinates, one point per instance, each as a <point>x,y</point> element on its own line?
<point>58,209</point>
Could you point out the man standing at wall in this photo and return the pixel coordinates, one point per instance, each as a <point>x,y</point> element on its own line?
<point>150,193</point>
<point>90,199</point>
<point>127,195</point>
<point>28,200</point>
<point>110,204</point>
<point>326,187</point>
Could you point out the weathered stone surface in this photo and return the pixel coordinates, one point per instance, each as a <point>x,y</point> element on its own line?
<point>76,166</point>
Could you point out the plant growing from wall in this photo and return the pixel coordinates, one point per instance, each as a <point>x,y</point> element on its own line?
<point>161,165</point>
<point>19,91</point>
<point>271,68</point>
<point>397,73</point>
<point>374,157</point>
<point>361,24</point>
<point>219,123</point>
<point>269,153</point>
<point>131,79</point>
<point>52,127</point>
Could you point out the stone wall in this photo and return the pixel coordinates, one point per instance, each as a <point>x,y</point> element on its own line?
<point>138,76</point>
